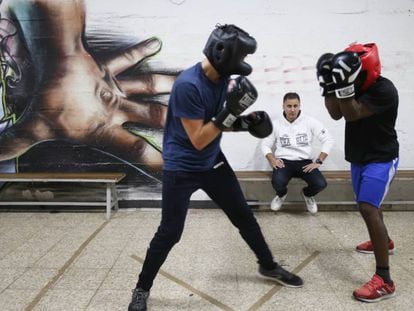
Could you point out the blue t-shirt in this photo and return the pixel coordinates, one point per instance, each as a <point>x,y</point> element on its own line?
<point>193,96</point>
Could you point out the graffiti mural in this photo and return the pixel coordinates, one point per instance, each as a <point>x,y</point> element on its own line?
<point>9,76</point>
<point>84,84</point>
<point>72,102</point>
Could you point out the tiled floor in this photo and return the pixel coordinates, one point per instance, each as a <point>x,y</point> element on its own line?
<point>79,261</point>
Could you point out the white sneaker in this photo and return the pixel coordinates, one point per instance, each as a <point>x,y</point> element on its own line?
<point>277,202</point>
<point>310,204</point>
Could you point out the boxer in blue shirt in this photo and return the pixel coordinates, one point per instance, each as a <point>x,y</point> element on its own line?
<point>203,103</point>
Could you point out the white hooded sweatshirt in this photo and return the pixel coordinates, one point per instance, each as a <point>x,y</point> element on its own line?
<point>293,141</point>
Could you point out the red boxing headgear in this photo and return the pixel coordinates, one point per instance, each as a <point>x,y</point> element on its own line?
<point>368,53</point>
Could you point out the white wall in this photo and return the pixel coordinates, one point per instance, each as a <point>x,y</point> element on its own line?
<point>291,36</point>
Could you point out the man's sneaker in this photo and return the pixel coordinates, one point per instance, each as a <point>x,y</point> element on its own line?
<point>277,202</point>
<point>375,290</point>
<point>139,300</point>
<point>310,204</point>
<point>281,276</point>
<point>367,248</point>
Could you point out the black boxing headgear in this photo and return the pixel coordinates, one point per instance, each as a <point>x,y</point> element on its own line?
<point>226,48</point>
<point>368,53</point>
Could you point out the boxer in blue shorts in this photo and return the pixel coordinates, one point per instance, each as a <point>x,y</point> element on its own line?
<point>372,181</point>
<point>203,104</point>
<point>354,89</point>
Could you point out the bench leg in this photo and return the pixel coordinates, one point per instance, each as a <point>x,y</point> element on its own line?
<point>108,201</point>
<point>115,196</point>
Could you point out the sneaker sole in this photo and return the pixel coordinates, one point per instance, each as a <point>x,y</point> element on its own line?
<point>375,300</point>
<point>278,281</point>
<point>390,252</point>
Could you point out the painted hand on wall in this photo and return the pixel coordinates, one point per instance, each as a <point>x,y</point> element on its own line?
<point>78,99</point>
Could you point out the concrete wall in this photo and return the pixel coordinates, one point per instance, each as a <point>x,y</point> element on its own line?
<point>291,36</point>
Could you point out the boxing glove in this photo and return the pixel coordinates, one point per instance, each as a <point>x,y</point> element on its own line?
<point>257,123</point>
<point>345,69</point>
<point>324,74</point>
<point>242,95</point>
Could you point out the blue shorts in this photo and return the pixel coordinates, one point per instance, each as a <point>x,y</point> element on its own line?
<point>372,181</point>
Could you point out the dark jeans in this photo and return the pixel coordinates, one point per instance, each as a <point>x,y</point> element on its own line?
<point>281,177</point>
<point>222,187</point>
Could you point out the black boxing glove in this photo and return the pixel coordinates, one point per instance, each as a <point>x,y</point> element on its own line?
<point>242,95</point>
<point>324,74</point>
<point>257,123</point>
<point>345,69</point>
